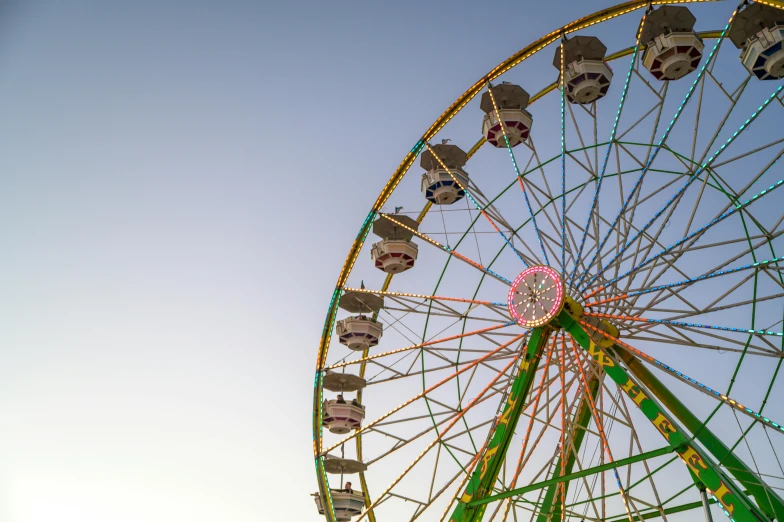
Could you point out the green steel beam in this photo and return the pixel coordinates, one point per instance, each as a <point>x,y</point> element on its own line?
<point>550,510</point>
<point>667,511</point>
<point>655,513</point>
<point>766,498</point>
<point>488,468</point>
<point>573,476</point>
<point>740,507</point>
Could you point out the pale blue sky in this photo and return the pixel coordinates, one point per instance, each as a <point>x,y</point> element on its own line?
<point>179,184</point>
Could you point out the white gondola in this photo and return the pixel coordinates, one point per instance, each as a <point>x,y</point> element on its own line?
<point>395,253</point>
<point>672,49</point>
<point>340,417</point>
<point>511,101</point>
<point>346,504</point>
<point>444,181</point>
<point>758,31</point>
<point>359,332</point>
<point>444,187</point>
<point>394,256</point>
<point>673,56</point>
<point>763,55</point>
<point>587,76</point>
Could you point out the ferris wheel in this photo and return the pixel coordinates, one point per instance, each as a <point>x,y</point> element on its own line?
<point>573,309</point>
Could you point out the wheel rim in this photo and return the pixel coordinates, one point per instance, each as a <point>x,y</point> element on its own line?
<point>604,298</point>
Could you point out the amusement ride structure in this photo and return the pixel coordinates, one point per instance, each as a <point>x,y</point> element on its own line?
<point>584,320</point>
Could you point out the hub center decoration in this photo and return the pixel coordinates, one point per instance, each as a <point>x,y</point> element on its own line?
<point>537,296</point>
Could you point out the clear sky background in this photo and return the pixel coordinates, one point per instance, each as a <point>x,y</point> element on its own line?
<point>179,185</point>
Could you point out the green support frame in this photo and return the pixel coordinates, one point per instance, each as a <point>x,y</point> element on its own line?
<point>550,509</point>
<point>734,501</point>
<point>666,511</point>
<point>767,499</point>
<point>488,468</point>
<point>573,476</point>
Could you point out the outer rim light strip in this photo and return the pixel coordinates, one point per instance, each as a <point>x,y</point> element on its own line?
<point>421,345</point>
<point>700,230</point>
<point>329,322</point>
<point>688,183</point>
<point>693,383</point>
<point>329,508</point>
<point>607,152</point>
<point>448,250</point>
<point>758,264</point>
<point>655,152</point>
<point>422,296</point>
<point>680,323</point>
<point>425,392</point>
<point>476,204</point>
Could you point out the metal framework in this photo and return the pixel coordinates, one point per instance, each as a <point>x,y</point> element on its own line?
<point>638,267</point>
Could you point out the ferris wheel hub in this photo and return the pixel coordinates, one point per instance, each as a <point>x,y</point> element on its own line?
<point>537,296</point>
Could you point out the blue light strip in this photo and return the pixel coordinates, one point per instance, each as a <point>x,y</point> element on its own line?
<point>688,183</point>
<point>527,203</point>
<point>700,230</point>
<point>563,164</point>
<point>690,281</point>
<point>689,325</point>
<point>729,515</point>
<point>519,177</point>
<point>607,156</point>
<point>727,400</point>
<point>329,509</point>
<point>692,382</point>
<point>365,229</point>
<point>657,149</point>
<point>725,328</point>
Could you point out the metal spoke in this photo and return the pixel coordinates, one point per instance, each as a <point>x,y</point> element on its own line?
<point>609,144</point>
<point>688,380</point>
<point>662,140</point>
<point>449,251</point>
<point>679,193</point>
<point>680,253</point>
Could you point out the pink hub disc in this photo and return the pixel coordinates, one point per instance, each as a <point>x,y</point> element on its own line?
<point>536,296</point>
